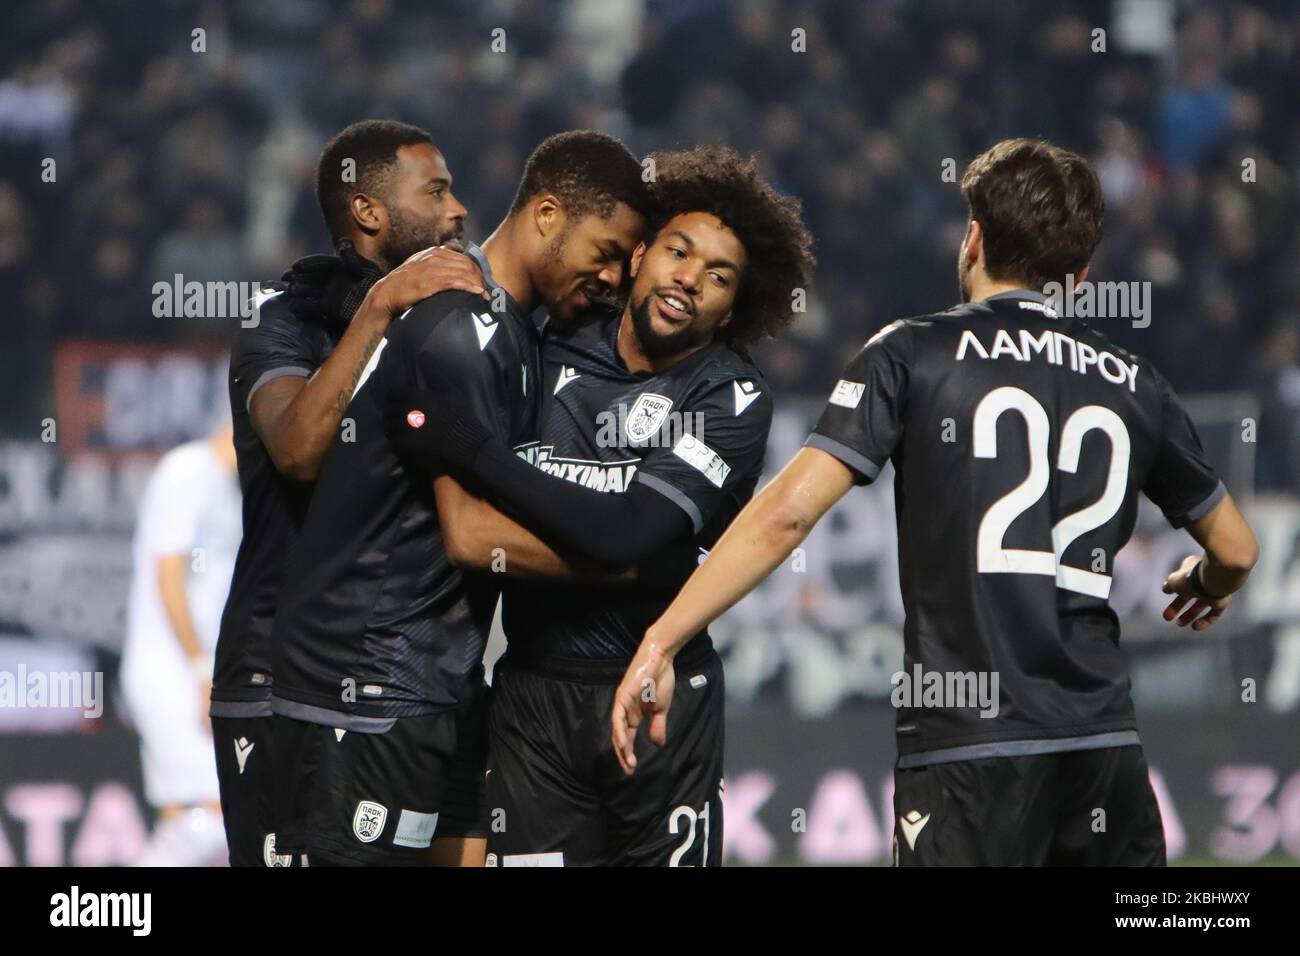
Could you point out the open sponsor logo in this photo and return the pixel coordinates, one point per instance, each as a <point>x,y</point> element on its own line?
<point>847,394</point>
<point>703,459</point>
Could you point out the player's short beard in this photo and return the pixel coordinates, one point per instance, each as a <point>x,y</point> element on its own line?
<point>555,251</point>
<point>654,345</point>
<point>408,235</point>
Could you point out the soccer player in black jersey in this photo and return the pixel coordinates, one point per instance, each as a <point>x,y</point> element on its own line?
<point>653,429</point>
<point>379,638</point>
<point>286,375</point>
<point>1007,535</point>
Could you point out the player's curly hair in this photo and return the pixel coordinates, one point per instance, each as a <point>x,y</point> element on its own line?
<point>778,247</point>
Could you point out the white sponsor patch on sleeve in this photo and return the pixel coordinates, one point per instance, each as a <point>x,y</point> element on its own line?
<point>702,458</point>
<point>847,393</point>
<point>415,829</point>
<point>533,859</point>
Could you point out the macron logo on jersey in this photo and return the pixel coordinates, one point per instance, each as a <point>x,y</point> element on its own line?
<point>567,375</point>
<point>746,394</point>
<point>486,327</point>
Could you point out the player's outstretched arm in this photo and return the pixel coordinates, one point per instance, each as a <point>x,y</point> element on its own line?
<point>1203,586</point>
<point>479,537</point>
<point>615,531</point>
<point>772,525</point>
<point>297,418</point>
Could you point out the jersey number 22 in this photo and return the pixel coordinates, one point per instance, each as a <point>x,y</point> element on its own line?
<point>992,557</point>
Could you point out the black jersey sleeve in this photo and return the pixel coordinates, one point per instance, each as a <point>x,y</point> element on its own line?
<point>863,421</point>
<point>719,451</point>
<point>456,358</point>
<point>276,346</point>
<point>618,530</point>
<point>1182,483</point>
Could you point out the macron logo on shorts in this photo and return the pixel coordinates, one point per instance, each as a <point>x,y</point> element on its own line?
<point>242,749</point>
<point>913,822</point>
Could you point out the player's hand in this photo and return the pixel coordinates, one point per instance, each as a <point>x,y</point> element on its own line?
<point>327,290</point>
<point>1190,607</point>
<point>432,429</point>
<point>426,273</point>
<point>646,690</point>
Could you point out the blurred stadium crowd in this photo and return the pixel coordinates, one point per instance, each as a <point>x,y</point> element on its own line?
<point>202,163</point>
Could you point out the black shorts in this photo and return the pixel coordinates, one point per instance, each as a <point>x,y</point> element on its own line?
<point>245,763</point>
<point>557,795</point>
<point>347,798</point>
<point>1082,808</point>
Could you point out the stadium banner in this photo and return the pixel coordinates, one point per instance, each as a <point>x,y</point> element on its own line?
<point>128,398</point>
<point>797,791</point>
<point>820,791</point>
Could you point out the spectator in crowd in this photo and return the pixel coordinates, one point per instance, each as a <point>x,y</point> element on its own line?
<point>166,153</point>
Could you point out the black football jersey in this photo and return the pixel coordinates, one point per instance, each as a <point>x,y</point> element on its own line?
<point>1020,441</point>
<point>695,433</point>
<point>273,506</point>
<point>375,623</point>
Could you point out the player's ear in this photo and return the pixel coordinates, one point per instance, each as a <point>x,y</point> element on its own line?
<point>369,214</point>
<point>548,215</point>
<point>974,242</point>
<point>635,266</point>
